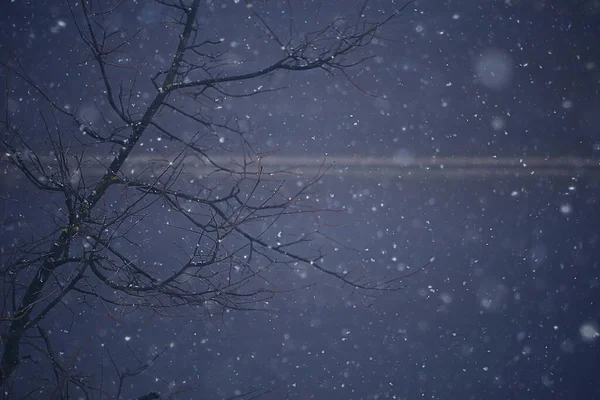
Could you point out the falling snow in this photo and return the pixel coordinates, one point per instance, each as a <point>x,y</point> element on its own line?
<point>460,160</point>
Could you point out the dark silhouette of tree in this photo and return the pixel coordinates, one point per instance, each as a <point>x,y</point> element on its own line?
<point>104,192</point>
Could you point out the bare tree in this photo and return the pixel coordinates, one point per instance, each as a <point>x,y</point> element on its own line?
<point>101,201</point>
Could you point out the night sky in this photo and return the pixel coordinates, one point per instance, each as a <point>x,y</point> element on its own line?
<point>508,309</point>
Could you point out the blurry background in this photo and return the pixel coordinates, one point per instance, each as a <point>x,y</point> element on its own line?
<point>509,308</point>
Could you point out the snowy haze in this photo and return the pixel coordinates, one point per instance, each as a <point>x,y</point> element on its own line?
<point>509,307</point>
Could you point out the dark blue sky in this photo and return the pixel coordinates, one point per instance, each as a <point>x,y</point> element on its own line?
<point>508,310</point>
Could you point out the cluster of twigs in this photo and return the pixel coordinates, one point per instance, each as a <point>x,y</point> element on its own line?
<point>96,246</point>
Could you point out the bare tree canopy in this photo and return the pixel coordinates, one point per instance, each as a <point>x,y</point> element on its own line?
<point>95,251</point>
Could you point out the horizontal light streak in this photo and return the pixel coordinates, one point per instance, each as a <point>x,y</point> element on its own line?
<point>452,168</point>
<point>458,167</point>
